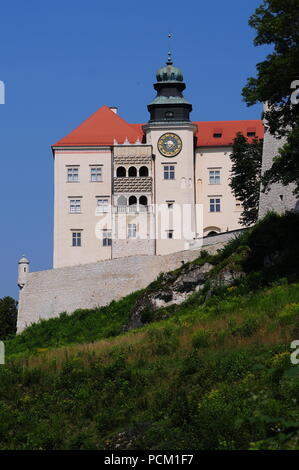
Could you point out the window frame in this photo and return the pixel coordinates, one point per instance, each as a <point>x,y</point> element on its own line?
<point>214,176</point>
<point>103,206</point>
<point>106,237</point>
<point>76,237</point>
<point>72,177</point>
<point>215,205</point>
<point>76,205</point>
<point>169,170</point>
<point>132,231</point>
<point>98,174</point>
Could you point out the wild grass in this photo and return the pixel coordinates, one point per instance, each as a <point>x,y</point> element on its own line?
<point>213,374</point>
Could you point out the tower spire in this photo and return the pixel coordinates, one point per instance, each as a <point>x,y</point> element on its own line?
<point>169,60</point>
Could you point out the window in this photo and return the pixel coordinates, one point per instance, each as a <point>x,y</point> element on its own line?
<point>73,174</point>
<point>143,201</point>
<point>96,173</point>
<point>122,201</point>
<point>103,205</point>
<point>76,238</point>
<point>169,172</point>
<point>251,132</point>
<point>143,171</point>
<point>214,204</point>
<point>217,135</point>
<point>107,238</point>
<point>132,172</point>
<point>132,231</point>
<point>170,204</point>
<point>121,172</point>
<point>214,176</point>
<point>238,206</point>
<point>169,233</point>
<point>75,206</point>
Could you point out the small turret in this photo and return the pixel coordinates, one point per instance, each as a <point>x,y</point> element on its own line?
<point>23,271</point>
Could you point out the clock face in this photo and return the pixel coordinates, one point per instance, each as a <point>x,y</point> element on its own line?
<point>170,145</point>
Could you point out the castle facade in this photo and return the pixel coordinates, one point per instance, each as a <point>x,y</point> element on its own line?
<point>144,189</point>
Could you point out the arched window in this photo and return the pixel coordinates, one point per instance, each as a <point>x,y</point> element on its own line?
<point>122,201</point>
<point>121,172</point>
<point>132,171</point>
<point>143,200</point>
<point>132,200</point>
<point>143,171</point>
<point>211,231</point>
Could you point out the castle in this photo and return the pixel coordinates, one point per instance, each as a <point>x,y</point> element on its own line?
<point>144,189</point>
<point>143,192</point>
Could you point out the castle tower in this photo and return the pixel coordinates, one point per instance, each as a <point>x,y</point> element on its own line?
<point>278,198</point>
<point>169,104</point>
<point>23,271</point>
<point>171,134</point>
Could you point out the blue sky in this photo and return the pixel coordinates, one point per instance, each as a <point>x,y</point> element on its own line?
<point>62,60</point>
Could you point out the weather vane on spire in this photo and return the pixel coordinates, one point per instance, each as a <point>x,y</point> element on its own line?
<point>169,60</point>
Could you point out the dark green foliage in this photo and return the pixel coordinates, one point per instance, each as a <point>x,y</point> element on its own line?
<point>274,247</point>
<point>211,373</point>
<point>223,399</point>
<point>201,339</point>
<point>8,317</point>
<point>246,328</point>
<point>277,23</point>
<point>246,176</point>
<point>215,397</point>
<point>83,326</point>
<point>267,252</point>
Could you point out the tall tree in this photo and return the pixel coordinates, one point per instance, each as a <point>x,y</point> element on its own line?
<point>246,176</point>
<point>8,317</point>
<point>277,24</point>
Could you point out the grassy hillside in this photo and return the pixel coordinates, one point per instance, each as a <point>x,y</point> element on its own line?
<point>211,373</point>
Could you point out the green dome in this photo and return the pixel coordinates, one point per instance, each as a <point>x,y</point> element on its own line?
<point>169,73</point>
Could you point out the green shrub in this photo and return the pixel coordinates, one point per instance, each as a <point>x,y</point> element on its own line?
<point>201,339</point>
<point>289,314</point>
<point>248,327</point>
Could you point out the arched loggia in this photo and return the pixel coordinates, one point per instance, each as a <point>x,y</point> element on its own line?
<point>132,172</point>
<point>121,172</point>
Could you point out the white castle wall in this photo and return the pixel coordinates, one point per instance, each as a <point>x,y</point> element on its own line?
<point>48,293</point>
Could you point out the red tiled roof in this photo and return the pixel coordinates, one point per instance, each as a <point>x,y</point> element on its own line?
<point>228,131</point>
<point>102,127</point>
